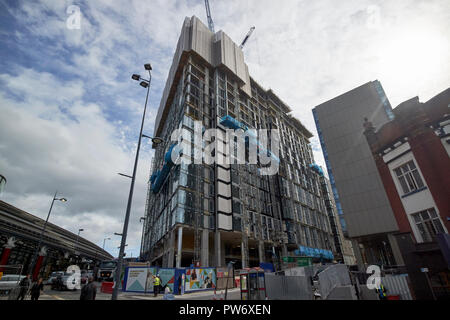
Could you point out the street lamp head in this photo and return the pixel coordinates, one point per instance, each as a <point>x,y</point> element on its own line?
<point>157,140</point>
<point>144,84</point>
<point>148,66</point>
<point>63,200</point>
<point>136,77</point>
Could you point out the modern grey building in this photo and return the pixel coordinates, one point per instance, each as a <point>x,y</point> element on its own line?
<point>364,209</point>
<point>211,214</point>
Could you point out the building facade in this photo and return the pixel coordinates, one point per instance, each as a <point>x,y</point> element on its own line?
<point>211,214</point>
<point>362,203</point>
<point>343,246</point>
<point>412,156</point>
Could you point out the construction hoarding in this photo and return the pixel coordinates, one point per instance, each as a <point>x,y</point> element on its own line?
<point>200,279</point>
<point>167,276</point>
<point>139,279</point>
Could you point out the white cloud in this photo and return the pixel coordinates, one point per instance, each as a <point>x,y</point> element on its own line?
<point>75,151</point>
<point>69,120</point>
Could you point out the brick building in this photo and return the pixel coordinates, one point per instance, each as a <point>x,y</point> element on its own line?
<point>412,153</point>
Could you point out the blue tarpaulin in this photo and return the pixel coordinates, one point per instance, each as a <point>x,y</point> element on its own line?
<point>314,252</point>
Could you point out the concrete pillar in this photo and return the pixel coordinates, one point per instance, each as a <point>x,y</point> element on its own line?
<point>395,250</point>
<point>179,246</point>
<point>261,252</point>
<point>358,255</point>
<point>204,256</point>
<point>284,250</point>
<point>165,249</point>
<point>243,256</point>
<point>222,255</point>
<point>10,244</point>
<point>217,249</point>
<point>171,249</point>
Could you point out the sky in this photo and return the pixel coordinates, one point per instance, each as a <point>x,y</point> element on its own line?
<point>70,113</point>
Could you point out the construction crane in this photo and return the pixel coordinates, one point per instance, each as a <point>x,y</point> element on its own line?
<point>208,15</point>
<point>246,37</point>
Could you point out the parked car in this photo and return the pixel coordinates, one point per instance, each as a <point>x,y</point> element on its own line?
<point>9,282</point>
<point>53,276</point>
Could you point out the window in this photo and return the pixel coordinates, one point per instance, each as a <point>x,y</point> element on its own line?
<point>428,223</point>
<point>409,177</point>
<point>236,207</point>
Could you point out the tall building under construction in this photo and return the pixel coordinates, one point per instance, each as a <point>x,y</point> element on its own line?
<point>209,215</point>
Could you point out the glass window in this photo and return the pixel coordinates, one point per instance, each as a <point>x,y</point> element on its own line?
<point>429,224</point>
<point>409,177</point>
<point>235,191</point>
<point>236,207</point>
<point>181,197</point>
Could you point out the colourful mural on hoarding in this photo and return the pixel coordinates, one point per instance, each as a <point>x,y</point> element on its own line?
<point>200,279</point>
<point>137,278</point>
<point>150,273</point>
<point>167,277</point>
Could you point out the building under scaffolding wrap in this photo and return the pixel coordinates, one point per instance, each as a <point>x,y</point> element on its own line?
<point>214,214</point>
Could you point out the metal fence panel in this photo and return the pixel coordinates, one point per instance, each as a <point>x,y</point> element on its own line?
<point>366,293</point>
<point>332,277</point>
<point>397,285</point>
<point>279,287</point>
<point>394,284</point>
<point>342,293</point>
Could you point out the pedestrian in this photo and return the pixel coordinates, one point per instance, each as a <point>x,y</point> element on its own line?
<point>179,284</point>
<point>36,289</point>
<point>156,285</point>
<point>381,292</point>
<point>168,295</point>
<point>89,290</point>
<point>24,284</point>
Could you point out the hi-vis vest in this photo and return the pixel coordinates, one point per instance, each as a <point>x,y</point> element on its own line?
<point>156,281</point>
<point>381,291</point>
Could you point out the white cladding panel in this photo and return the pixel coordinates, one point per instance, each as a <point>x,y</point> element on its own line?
<point>223,174</point>
<point>223,205</point>
<point>225,222</point>
<point>224,189</point>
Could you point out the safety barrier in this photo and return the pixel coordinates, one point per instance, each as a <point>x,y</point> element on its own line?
<point>332,277</point>
<point>107,287</point>
<point>281,287</point>
<point>397,285</point>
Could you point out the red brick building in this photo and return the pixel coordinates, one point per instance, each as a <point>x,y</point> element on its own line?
<point>412,154</point>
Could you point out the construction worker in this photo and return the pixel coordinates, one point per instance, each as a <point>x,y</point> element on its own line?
<point>156,285</point>
<point>381,292</point>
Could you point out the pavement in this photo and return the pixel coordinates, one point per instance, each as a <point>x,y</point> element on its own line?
<point>49,294</point>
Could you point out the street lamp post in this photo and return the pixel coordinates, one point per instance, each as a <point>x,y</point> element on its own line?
<point>33,261</point>
<point>144,219</point>
<point>146,84</point>
<point>104,240</point>
<point>156,140</point>
<point>78,237</point>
